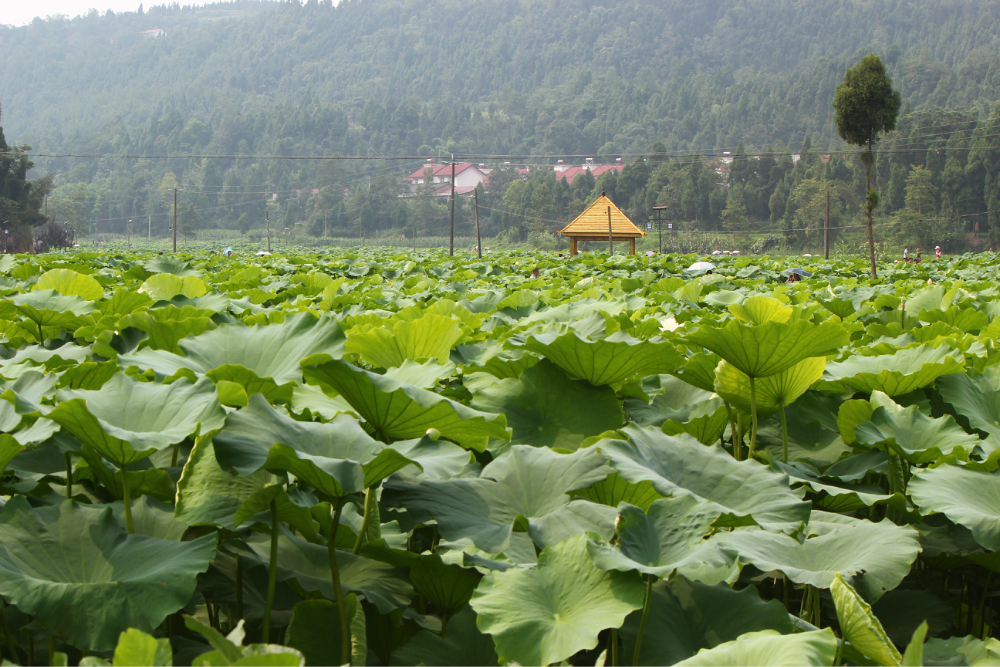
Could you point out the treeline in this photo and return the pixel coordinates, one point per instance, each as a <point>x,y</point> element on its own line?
<point>662,83</point>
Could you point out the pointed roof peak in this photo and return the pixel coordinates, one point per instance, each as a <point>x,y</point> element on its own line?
<point>594,222</point>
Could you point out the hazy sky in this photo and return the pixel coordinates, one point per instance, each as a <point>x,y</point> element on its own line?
<point>19,12</point>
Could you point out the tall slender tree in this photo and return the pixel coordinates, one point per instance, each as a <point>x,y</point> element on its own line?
<point>865,106</point>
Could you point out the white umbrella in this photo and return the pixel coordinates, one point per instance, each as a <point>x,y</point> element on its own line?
<point>701,266</point>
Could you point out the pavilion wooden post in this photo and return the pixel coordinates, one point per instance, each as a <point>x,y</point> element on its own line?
<point>572,246</point>
<point>631,246</point>
<point>611,238</point>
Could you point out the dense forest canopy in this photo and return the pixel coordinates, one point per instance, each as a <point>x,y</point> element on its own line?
<point>672,82</point>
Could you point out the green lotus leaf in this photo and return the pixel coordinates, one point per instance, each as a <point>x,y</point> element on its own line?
<point>699,371</point>
<point>613,490</point>
<point>48,308</point>
<point>36,356</point>
<point>882,551</point>
<point>746,492</point>
<point>975,396</point>
<point>677,402</point>
<point>165,286</point>
<point>84,579</point>
<point>437,459</point>
<point>724,297</point>
<point>135,647</point>
<point>151,481</point>
<point>773,391</point>
<point>311,630</point>
<point>768,647</point>
<point>544,408</point>
<point>88,375</point>
<point>308,564</point>
<point>964,319</point>
<point>151,518</point>
<point>166,326</point>
<point>333,477</point>
<point>524,489</point>
<point>127,420</point>
<point>970,498</point>
<point>914,654</point>
<point>915,436</point>
<point>122,302</point>
<point>245,443</point>
<point>207,494</point>
<point>317,402</point>
<point>895,374</point>
<point>667,539</point>
<point>70,283</point>
<point>401,412</point>
<point>853,413</point>
<point>771,347</point>
<point>429,337</point>
<point>760,309</point>
<point>545,614</point>
<point>463,645</point>
<point>860,627</point>
<point>604,361</point>
<point>425,375</point>
<point>686,617</point>
<point>706,428</point>
<point>956,650</point>
<point>27,392</point>
<point>272,351</point>
<point>172,265</point>
<point>448,587</point>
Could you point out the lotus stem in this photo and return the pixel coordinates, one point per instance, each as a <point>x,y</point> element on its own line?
<point>840,651</point>
<point>338,593</point>
<point>69,475</point>
<point>753,417</point>
<point>41,336</point>
<point>127,497</point>
<point>647,603</point>
<point>173,457</point>
<point>784,434</point>
<point>8,637</point>
<point>732,429</point>
<point>613,647</point>
<point>239,588</point>
<point>272,574</point>
<point>369,499</point>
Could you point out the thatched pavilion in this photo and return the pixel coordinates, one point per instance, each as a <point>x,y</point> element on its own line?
<point>602,221</point>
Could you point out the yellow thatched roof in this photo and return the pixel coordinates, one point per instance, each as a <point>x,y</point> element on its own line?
<point>593,222</point>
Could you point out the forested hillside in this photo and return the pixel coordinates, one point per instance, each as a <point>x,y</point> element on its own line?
<point>494,78</point>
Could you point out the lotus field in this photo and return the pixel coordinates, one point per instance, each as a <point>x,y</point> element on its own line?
<point>399,459</point>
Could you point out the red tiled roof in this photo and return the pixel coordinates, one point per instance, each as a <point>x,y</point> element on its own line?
<point>439,170</point>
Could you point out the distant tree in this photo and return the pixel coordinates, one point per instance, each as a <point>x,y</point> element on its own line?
<point>920,190</point>
<point>734,216</point>
<point>21,200</point>
<point>188,220</point>
<point>243,224</point>
<point>866,105</point>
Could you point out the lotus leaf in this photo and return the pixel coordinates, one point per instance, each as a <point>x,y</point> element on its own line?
<point>430,337</point>
<point>746,492</point>
<point>70,283</point>
<point>127,420</point>
<point>771,347</point>
<point>686,617</point>
<point>165,286</point>
<point>895,374</point>
<point>768,647</point>
<point>462,646</point>
<point>915,436</point>
<point>545,614</point>
<point>525,489</point>
<point>544,408</point>
<point>604,361</point>
<point>82,577</point>
<point>860,627</point>
<point>967,497</point>
<point>666,539</point>
<point>882,551</point>
<point>774,391</point>
<point>402,412</point>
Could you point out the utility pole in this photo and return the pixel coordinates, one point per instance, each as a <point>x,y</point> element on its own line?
<point>659,220</point>
<point>611,238</point>
<point>267,223</point>
<point>826,230</point>
<point>175,219</point>
<point>479,240</point>
<point>451,243</point>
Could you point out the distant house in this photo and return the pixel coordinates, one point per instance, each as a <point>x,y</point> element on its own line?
<point>155,32</point>
<point>467,177</point>
<point>567,172</point>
